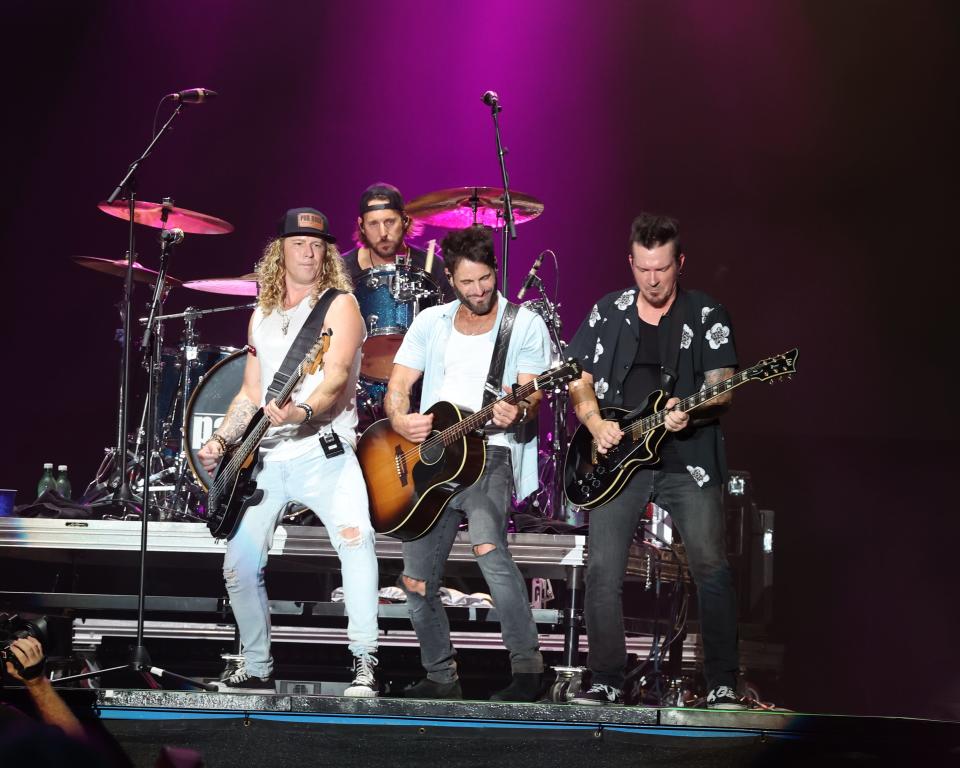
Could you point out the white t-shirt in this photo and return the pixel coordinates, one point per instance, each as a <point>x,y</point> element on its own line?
<point>291,440</point>
<point>466,363</point>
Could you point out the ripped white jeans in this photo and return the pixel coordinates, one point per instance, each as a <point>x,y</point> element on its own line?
<point>335,491</point>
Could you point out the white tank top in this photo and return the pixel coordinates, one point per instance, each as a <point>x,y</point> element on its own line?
<point>291,440</point>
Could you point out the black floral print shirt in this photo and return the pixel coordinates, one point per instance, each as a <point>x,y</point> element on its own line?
<point>606,345</point>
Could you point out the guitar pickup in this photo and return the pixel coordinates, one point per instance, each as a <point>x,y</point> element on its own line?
<point>401,465</point>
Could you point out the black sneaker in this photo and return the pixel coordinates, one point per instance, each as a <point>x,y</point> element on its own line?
<point>365,684</point>
<point>242,681</point>
<point>724,697</point>
<point>599,694</point>
<point>525,686</point>
<point>429,689</point>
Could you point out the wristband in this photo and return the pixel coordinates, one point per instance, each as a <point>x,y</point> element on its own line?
<point>219,439</point>
<point>307,409</point>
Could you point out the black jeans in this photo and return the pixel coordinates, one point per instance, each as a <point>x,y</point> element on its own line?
<point>697,513</point>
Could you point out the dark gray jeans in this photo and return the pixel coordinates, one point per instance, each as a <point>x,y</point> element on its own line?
<point>698,515</point>
<point>486,505</point>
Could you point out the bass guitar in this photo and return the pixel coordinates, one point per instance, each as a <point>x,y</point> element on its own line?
<point>591,478</point>
<point>233,490</point>
<point>409,484</point>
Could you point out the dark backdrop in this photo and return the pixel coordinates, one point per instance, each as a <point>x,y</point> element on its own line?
<point>808,149</point>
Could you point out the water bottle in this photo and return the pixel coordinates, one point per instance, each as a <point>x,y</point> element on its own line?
<point>47,480</point>
<point>63,482</point>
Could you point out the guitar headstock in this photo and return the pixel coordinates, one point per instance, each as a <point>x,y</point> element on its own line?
<point>314,359</point>
<point>560,375</point>
<point>774,367</point>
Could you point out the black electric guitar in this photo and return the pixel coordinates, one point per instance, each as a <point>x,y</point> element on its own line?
<point>591,478</point>
<point>409,484</point>
<point>233,490</point>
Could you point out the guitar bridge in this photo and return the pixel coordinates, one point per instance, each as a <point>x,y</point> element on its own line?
<point>400,463</point>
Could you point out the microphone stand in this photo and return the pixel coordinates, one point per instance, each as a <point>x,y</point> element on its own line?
<point>510,230</point>
<point>139,660</point>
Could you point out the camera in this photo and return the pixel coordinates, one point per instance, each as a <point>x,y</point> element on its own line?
<point>14,626</point>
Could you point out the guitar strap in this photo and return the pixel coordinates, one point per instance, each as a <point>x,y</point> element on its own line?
<point>491,390</point>
<point>301,345</point>
<point>670,345</point>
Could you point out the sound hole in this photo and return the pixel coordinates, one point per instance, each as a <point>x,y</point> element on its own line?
<point>431,451</point>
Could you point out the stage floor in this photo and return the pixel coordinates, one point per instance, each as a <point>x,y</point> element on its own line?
<point>232,729</point>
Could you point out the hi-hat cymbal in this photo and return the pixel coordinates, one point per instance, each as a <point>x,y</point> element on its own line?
<point>245,285</point>
<point>460,207</point>
<point>118,268</point>
<point>151,214</point>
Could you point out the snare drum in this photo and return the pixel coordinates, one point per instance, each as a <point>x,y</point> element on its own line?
<point>389,299</point>
<point>208,406</point>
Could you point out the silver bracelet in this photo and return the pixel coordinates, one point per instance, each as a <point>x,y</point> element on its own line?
<point>307,409</point>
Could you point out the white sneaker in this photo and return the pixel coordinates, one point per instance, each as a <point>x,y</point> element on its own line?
<point>724,697</point>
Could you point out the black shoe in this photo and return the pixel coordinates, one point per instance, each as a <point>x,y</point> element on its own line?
<point>599,694</point>
<point>242,681</point>
<point>365,684</point>
<point>724,697</point>
<point>429,689</point>
<point>525,686</point>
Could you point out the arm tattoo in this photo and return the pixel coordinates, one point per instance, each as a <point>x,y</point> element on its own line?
<point>588,414</point>
<point>396,403</point>
<point>717,375</point>
<point>236,420</point>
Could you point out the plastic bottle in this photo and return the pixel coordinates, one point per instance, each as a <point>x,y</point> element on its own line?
<point>63,482</point>
<point>47,480</point>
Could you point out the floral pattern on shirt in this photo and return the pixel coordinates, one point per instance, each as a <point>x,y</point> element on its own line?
<point>686,337</point>
<point>717,335</point>
<point>704,311</point>
<point>594,315</point>
<point>625,300</point>
<point>600,386</point>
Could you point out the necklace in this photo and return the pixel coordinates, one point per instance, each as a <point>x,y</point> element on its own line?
<point>284,320</point>
<point>470,332</point>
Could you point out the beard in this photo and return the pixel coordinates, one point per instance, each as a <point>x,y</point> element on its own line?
<point>475,308</point>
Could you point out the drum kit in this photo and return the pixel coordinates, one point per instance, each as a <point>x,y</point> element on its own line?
<point>195,382</point>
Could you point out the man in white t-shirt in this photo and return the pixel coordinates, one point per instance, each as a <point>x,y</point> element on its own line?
<point>451,347</point>
<point>296,465</point>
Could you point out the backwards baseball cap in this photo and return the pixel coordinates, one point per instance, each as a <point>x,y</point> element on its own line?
<point>381,191</point>
<point>305,221</point>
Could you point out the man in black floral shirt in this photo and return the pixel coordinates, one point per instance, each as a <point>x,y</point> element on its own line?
<point>628,349</point>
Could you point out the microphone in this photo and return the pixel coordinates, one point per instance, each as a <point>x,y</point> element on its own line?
<point>193,95</point>
<point>490,98</point>
<point>531,276</point>
<point>172,236</point>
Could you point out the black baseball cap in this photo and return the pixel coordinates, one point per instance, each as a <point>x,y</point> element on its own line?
<point>381,191</point>
<point>305,221</point>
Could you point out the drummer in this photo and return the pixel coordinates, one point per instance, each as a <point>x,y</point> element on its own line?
<point>382,228</point>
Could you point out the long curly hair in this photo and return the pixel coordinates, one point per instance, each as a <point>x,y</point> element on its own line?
<point>270,275</point>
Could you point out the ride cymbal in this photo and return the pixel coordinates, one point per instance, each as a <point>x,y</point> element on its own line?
<point>461,207</point>
<point>151,215</point>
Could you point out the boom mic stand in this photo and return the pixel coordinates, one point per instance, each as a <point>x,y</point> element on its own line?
<point>139,660</point>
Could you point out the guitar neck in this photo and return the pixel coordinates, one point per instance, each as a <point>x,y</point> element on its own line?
<point>476,420</point>
<point>253,439</point>
<point>654,420</point>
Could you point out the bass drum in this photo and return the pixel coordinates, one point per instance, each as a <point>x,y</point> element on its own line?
<point>208,406</point>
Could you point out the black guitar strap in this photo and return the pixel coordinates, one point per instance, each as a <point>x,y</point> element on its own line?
<point>301,345</point>
<point>492,389</point>
<point>670,344</point>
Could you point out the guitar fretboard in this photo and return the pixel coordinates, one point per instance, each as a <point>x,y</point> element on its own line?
<point>476,420</point>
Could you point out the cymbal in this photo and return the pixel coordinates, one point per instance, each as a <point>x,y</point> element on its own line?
<point>245,285</point>
<point>460,207</point>
<point>118,268</point>
<point>151,214</point>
